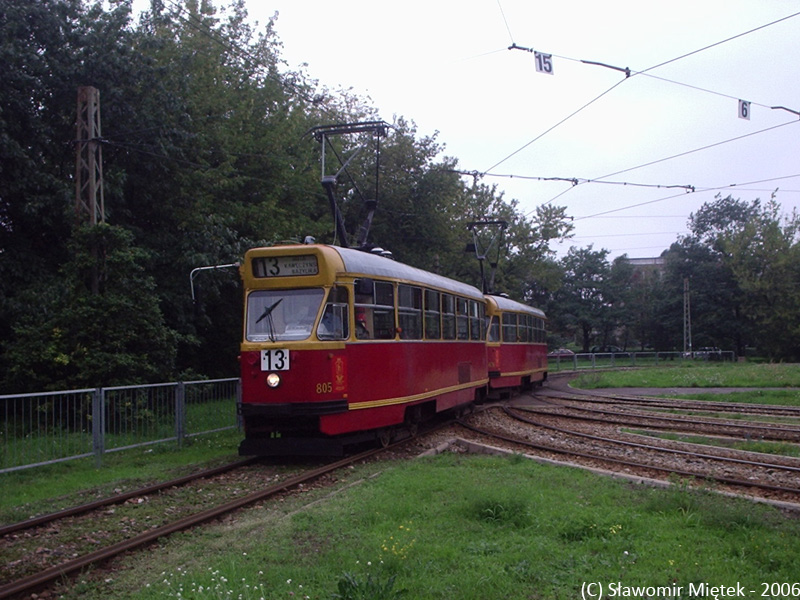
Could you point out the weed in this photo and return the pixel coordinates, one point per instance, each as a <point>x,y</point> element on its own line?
<point>351,587</point>
<point>399,544</point>
<point>501,510</point>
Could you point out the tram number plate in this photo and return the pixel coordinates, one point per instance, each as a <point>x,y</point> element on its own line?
<point>274,360</point>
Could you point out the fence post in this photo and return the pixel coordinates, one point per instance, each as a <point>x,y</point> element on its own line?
<point>180,413</point>
<point>239,423</point>
<point>98,425</point>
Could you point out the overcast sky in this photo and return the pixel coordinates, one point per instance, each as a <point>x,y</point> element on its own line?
<point>446,65</point>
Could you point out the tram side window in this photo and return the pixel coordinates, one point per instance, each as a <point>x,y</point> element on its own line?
<point>462,319</point>
<point>509,327</point>
<point>433,325</point>
<point>374,310</point>
<point>448,317</point>
<point>474,321</point>
<point>528,336</point>
<point>409,302</point>
<point>335,322</point>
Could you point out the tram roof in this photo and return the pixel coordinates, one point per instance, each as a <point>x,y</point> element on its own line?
<point>360,262</point>
<point>504,303</point>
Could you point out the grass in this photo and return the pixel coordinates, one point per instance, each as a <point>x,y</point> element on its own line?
<point>465,527</point>
<point>769,397</point>
<point>47,488</point>
<point>696,376</point>
<point>762,446</point>
<point>453,526</point>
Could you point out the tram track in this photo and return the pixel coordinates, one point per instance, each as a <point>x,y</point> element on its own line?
<point>772,481</point>
<point>746,409</point>
<point>559,389</point>
<point>682,423</point>
<point>653,462</point>
<point>44,519</point>
<point>28,583</point>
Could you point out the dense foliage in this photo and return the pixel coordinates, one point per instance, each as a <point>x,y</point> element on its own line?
<point>206,152</point>
<point>740,263</point>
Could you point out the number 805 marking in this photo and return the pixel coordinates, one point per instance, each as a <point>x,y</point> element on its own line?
<point>274,360</point>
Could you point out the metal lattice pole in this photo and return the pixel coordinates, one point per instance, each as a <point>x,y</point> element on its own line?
<point>89,201</point>
<point>687,319</point>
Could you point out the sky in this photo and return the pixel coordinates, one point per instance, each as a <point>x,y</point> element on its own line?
<point>625,140</point>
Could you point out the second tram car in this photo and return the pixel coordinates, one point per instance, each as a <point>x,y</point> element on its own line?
<point>342,346</point>
<point>516,344</point>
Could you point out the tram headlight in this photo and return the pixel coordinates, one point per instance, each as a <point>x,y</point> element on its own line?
<point>273,380</point>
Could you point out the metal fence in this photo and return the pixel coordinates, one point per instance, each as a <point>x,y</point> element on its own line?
<point>577,362</point>
<point>44,428</point>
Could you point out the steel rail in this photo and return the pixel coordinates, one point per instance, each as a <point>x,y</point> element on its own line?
<point>52,574</point>
<point>120,498</point>
<point>735,407</point>
<point>641,446</point>
<point>713,422</point>
<point>605,459</point>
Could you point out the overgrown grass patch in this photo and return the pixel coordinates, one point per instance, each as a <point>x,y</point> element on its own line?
<point>762,446</point>
<point>466,527</point>
<point>694,375</point>
<point>770,397</point>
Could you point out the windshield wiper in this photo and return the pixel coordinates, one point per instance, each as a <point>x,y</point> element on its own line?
<point>267,314</point>
<point>268,311</point>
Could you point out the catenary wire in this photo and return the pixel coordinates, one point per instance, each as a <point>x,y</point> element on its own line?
<point>618,83</point>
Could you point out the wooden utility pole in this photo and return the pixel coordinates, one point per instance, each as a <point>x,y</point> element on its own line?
<point>89,202</point>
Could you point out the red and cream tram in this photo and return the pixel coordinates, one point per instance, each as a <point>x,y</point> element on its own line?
<point>516,344</point>
<point>342,346</point>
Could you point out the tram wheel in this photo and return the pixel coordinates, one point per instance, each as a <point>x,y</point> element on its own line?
<point>385,437</point>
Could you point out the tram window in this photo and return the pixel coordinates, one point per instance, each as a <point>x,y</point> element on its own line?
<point>433,326</point>
<point>482,320</point>
<point>282,315</point>
<point>448,317</point>
<point>335,322</point>
<point>494,329</point>
<point>509,327</point>
<point>462,319</point>
<point>409,302</point>
<point>525,328</point>
<point>474,321</point>
<point>374,310</point>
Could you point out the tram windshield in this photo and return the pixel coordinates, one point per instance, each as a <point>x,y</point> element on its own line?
<point>282,315</point>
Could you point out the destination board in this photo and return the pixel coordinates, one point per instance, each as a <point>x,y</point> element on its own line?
<point>285,266</point>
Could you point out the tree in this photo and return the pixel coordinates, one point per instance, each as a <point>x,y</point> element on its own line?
<point>101,325</point>
<point>582,300</point>
<point>764,256</point>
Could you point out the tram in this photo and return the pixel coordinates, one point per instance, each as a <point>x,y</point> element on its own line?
<point>342,346</point>
<point>516,344</point>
